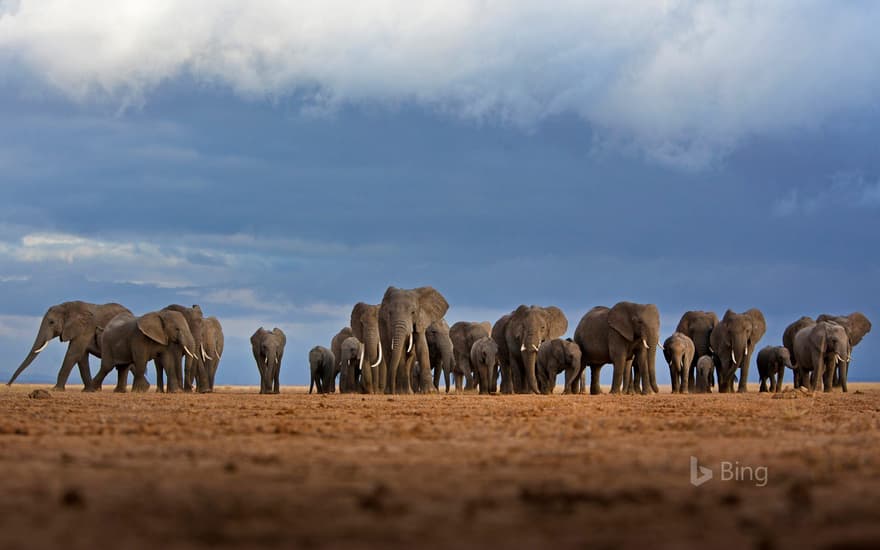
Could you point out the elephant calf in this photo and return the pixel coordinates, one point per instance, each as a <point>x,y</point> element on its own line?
<point>772,361</point>
<point>704,374</point>
<point>679,350</point>
<point>484,360</point>
<point>555,356</point>
<point>268,348</point>
<point>350,364</point>
<point>322,366</point>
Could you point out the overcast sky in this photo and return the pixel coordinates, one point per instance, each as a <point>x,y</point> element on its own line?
<point>277,162</point>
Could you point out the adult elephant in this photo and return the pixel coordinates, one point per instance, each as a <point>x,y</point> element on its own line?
<point>350,364</point>
<point>212,350</point>
<point>464,334</point>
<point>734,340</point>
<point>194,364</point>
<point>499,329</point>
<point>365,327</point>
<point>404,318</point>
<point>524,331</point>
<point>788,343</point>
<point>78,323</point>
<point>678,350</point>
<point>819,349</point>
<point>440,351</point>
<point>268,349</point>
<point>856,326</point>
<point>697,325</point>
<point>336,348</point>
<point>131,342</point>
<point>615,335</point>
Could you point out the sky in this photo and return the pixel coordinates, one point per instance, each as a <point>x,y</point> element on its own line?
<point>277,162</point>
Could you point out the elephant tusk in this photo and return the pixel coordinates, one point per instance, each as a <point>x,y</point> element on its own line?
<point>534,347</point>
<point>645,343</point>
<point>361,359</point>
<point>379,360</point>
<point>746,352</point>
<point>205,356</point>
<point>838,358</point>
<point>711,350</point>
<point>266,360</point>
<point>186,349</point>
<point>43,346</point>
<point>659,345</point>
<point>411,339</point>
<point>522,347</point>
<point>732,357</point>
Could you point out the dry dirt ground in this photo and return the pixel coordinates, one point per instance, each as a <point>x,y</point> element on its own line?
<point>236,469</point>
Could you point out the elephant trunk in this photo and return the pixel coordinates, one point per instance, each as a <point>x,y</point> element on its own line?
<point>44,336</point>
<point>402,332</point>
<point>530,357</point>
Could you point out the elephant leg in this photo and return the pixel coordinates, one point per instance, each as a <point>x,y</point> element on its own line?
<point>74,353</point>
<point>673,376</point>
<point>276,380</point>
<point>691,376</point>
<point>188,374</point>
<point>437,373</point>
<point>425,362</point>
<point>85,372</point>
<point>311,383</point>
<point>844,373</point>
<point>628,381</point>
<point>506,381</point>
<point>173,375</point>
<point>595,387</point>
<point>160,373</point>
<point>828,379</point>
<point>763,387</point>
<point>122,378</point>
<point>744,374</point>
<point>103,371</point>
<point>683,383</point>
<point>446,370</point>
<point>140,383</point>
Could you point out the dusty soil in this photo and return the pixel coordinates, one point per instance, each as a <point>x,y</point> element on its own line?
<point>236,469</point>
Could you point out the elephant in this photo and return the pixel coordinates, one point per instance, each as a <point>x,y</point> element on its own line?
<point>856,326</point>
<point>678,350</point>
<point>404,318</point>
<point>195,321</point>
<point>351,354</point>
<point>440,351</point>
<point>772,361</point>
<point>212,345</point>
<point>820,348</point>
<point>78,323</point>
<point>555,356</point>
<point>697,325</point>
<point>615,335</point>
<point>788,343</point>
<point>733,340</point>
<point>464,334</point>
<point>365,327</point>
<point>336,348</point>
<point>524,331</point>
<point>705,368</point>
<point>131,342</point>
<point>322,366</point>
<point>484,360</point>
<point>268,349</point>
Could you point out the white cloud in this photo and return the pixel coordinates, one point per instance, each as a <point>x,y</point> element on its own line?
<point>684,80</point>
<point>845,190</point>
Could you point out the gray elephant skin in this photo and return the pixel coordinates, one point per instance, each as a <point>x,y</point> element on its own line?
<point>212,351</point>
<point>772,362</point>
<point>615,335</point>
<point>464,334</point>
<point>734,340</point>
<point>819,349</point>
<point>788,343</point>
<point>336,348</point>
<point>78,323</point>
<point>556,356</point>
<point>322,368</point>
<point>195,321</point>
<point>268,349</point>
<point>350,364</point>
<point>856,326</point>
<point>365,327</point>
<point>130,342</point>
<point>523,331</point>
<point>404,318</point>
<point>484,360</point>
<point>704,374</point>
<point>440,351</point>
<point>678,350</point>
<point>698,325</point>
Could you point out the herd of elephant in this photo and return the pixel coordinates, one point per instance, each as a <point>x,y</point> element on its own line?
<point>404,344</point>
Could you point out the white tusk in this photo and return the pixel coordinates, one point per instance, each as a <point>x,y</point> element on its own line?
<point>838,358</point>
<point>711,350</point>
<point>645,343</point>
<point>205,356</point>
<point>534,347</point>
<point>379,360</point>
<point>659,345</point>
<point>186,349</point>
<point>732,357</point>
<point>43,346</point>
<point>746,352</point>
<point>266,360</point>
<point>409,349</point>
<point>522,347</point>
<point>361,359</point>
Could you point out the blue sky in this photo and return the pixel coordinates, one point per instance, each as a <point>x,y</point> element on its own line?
<point>277,165</point>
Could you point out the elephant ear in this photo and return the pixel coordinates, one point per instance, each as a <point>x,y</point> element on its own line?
<point>859,326</point>
<point>487,328</point>
<point>357,313</point>
<point>152,327</point>
<point>620,318</point>
<point>76,323</point>
<point>432,306</point>
<point>759,325</point>
<point>280,334</point>
<point>557,324</point>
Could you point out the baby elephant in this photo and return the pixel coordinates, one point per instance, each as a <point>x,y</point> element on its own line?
<point>555,356</point>
<point>351,361</point>
<point>484,361</point>
<point>772,361</point>
<point>322,366</point>
<point>705,371</point>
<point>268,348</point>
<point>678,350</point>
